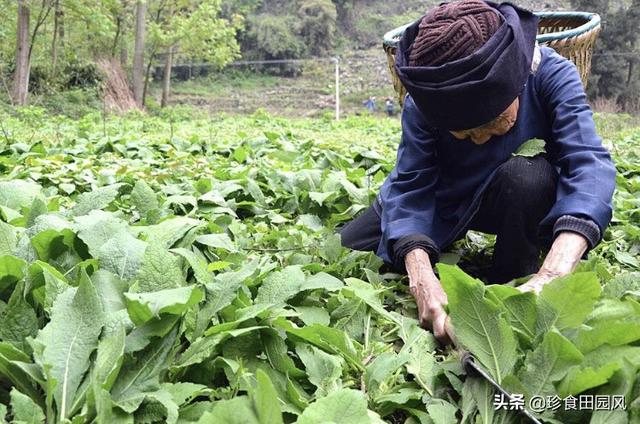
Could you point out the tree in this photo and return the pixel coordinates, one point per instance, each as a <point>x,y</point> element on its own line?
<point>346,18</point>
<point>25,41</point>
<point>231,8</point>
<point>273,37</point>
<point>21,73</point>
<point>95,29</point>
<point>318,25</point>
<point>191,29</point>
<point>615,73</point>
<point>630,97</point>
<point>138,55</point>
<point>119,12</point>
<point>58,32</point>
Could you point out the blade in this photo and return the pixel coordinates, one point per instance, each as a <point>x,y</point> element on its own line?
<point>470,365</point>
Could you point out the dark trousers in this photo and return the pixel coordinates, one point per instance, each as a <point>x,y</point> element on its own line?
<point>519,197</point>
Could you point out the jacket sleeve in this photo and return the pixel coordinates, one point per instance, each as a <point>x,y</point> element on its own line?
<point>408,195</point>
<point>587,174</point>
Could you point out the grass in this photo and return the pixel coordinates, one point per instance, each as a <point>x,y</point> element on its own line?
<point>221,83</point>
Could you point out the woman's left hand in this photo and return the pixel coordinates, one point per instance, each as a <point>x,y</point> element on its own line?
<point>562,259</point>
<point>537,282</point>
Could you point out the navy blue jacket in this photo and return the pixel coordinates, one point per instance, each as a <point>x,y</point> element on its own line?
<point>437,183</point>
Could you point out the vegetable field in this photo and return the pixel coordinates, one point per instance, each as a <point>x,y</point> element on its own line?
<point>185,269</point>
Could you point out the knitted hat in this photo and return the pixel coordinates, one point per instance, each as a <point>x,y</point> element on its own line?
<point>472,90</point>
<point>452,31</point>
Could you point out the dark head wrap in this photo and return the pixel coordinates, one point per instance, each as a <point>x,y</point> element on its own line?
<point>470,91</point>
<point>453,31</point>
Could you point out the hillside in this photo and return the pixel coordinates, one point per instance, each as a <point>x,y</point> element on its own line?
<point>311,92</point>
<point>308,89</point>
<point>361,23</point>
<point>353,30</point>
<point>370,17</point>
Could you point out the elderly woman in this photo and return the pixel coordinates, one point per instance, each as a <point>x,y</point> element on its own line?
<point>478,88</point>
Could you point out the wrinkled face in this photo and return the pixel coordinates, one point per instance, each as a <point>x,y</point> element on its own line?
<point>499,126</point>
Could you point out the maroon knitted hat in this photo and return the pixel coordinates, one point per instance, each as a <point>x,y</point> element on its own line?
<point>452,31</point>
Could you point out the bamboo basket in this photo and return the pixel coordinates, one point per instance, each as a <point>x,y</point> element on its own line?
<point>571,34</point>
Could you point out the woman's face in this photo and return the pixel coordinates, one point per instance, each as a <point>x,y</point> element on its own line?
<point>499,126</point>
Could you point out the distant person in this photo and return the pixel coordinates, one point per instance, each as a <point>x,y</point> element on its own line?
<point>479,87</point>
<point>370,104</point>
<point>389,107</point>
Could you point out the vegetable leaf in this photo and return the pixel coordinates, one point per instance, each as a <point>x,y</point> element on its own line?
<point>479,325</point>
<point>549,363</point>
<point>343,406</point>
<point>531,148</point>
<point>69,339</point>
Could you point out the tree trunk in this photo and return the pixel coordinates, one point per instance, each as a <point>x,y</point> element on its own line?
<point>21,74</point>
<point>116,38</point>
<point>60,14</point>
<point>57,20</point>
<point>166,78</point>
<point>147,75</point>
<point>138,56</point>
<point>124,57</point>
<point>120,45</point>
<point>633,14</point>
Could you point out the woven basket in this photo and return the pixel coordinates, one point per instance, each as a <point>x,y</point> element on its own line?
<point>571,34</point>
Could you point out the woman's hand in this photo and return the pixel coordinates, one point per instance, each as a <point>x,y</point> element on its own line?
<point>537,282</point>
<point>562,259</point>
<point>430,297</point>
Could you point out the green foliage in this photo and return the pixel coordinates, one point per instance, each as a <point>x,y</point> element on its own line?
<point>66,59</point>
<point>74,103</point>
<point>548,363</point>
<point>321,27</point>
<point>189,271</point>
<point>62,348</point>
<point>531,148</point>
<point>560,364</point>
<point>24,409</point>
<point>478,323</point>
<point>341,407</point>
<point>318,25</point>
<point>615,73</point>
<point>271,37</point>
<point>229,8</point>
<point>195,30</point>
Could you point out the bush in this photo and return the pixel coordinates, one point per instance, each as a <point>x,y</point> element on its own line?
<point>271,37</point>
<point>40,81</point>
<point>79,75</point>
<point>318,25</point>
<point>74,103</point>
<point>614,69</point>
<point>178,113</point>
<point>73,76</point>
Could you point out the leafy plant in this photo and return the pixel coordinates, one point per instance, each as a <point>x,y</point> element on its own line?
<point>192,274</point>
<point>531,148</point>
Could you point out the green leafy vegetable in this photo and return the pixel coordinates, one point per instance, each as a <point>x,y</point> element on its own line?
<point>480,325</point>
<point>342,406</point>
<point>199,278</point>
<point>69,339</point>
<point>531,148</point>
